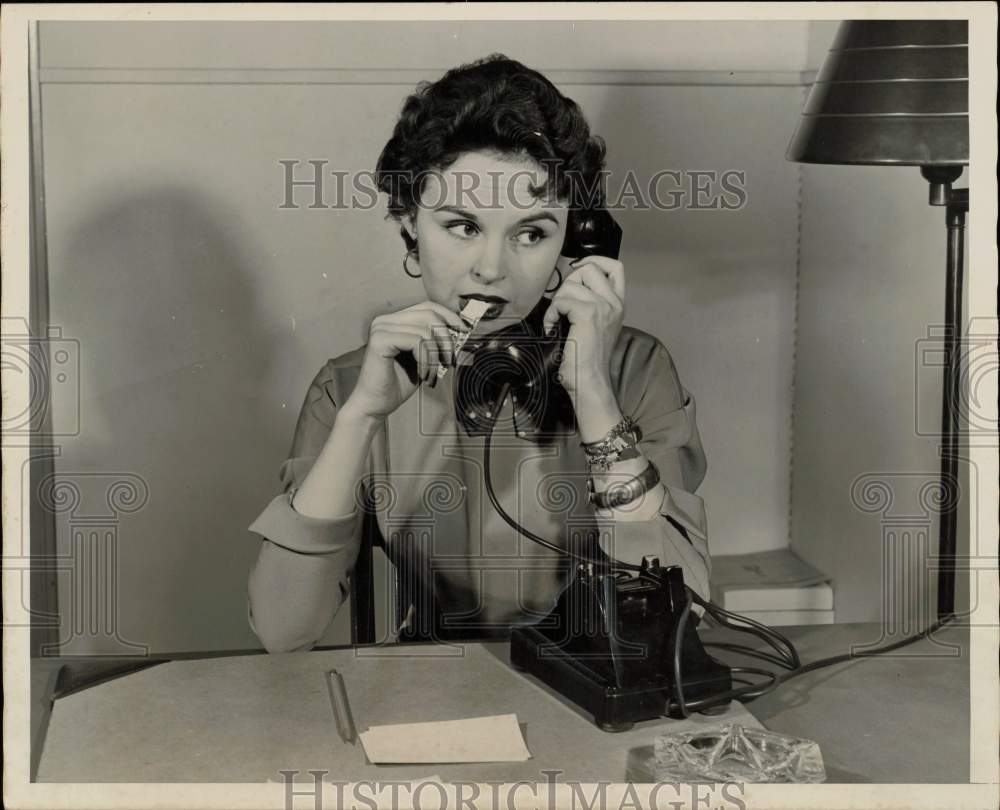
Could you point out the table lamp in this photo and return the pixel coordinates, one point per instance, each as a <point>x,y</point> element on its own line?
<point>896,93</point>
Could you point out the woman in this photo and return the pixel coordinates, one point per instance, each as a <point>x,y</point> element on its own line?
<point>481,172</point>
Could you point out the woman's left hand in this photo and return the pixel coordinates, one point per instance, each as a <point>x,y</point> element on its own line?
<point>592,297</point>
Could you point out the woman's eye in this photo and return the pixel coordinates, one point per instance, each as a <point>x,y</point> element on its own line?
<point>464,229</point>
<point>530,237</point>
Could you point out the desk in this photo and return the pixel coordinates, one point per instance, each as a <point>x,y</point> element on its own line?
<point>242,718</point>
<point>899,718</point>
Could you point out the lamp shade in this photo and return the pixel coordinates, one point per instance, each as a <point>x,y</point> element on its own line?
<point>890,92</point>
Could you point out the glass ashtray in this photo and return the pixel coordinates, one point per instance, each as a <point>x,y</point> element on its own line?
<point>735,754</point>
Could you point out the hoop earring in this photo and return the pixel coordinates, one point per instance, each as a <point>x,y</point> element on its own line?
<point>558,284</point>
<point>406,269</point>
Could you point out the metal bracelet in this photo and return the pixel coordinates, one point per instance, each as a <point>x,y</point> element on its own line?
<point>606,462</point>
<point>626,425</point>
<point>620,494</point>
<point>622,438</point>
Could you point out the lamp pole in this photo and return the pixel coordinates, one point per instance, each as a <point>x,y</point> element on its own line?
<point>956,204</point>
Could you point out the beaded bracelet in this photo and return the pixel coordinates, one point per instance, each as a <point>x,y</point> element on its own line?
<point>619,444</point>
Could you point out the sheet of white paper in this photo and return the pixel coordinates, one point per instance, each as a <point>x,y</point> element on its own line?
<point>477,739</point>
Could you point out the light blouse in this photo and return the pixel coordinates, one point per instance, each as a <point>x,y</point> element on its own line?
<point>426,487</point>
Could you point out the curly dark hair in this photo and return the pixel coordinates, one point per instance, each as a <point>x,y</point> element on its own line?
<point>494,104</point>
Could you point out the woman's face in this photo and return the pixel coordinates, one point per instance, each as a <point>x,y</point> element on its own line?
<point>480,233</point>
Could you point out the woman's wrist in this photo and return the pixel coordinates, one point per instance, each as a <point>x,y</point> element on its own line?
<point>615,460</point>
<point>350,413</point>
<point>329,489</point>
<point>597,410</point>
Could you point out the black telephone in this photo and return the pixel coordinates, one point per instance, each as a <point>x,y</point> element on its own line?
<point>523,358</point>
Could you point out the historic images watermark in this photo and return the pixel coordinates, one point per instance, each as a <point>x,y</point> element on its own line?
<point>549,792</point>
<point>49,405</point>
<point>907,505</point>
<point>87,510</point>
<point>82,510</point>
<point>90,508</point>
<point>910,504</point>
<point>312,184</point>
<point>979,365</point>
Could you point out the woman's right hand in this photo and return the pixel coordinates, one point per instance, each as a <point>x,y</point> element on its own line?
<point>404,349</point>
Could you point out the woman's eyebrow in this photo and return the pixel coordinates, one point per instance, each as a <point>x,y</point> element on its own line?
<point>453,209</point>
<point>538,216</point>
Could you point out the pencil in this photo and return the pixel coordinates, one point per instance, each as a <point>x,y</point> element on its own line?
<point>341,708</point>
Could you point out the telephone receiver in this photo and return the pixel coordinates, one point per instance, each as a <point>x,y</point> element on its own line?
<point>522,357</point>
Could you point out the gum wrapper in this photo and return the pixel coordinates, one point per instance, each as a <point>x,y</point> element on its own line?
<point>736,754</point>
<point>472,315</point>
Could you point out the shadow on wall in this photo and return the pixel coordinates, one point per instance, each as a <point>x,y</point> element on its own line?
<point>159,289</point>
<point>158,281</point>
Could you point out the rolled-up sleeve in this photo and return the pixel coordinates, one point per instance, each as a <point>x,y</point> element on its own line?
<point>301,576</point>
<point>652,394</point>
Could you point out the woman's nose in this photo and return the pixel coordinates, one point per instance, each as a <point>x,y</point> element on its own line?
<point>490,267</point>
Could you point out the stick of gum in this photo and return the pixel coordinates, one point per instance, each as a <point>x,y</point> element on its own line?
<point>472,314</point>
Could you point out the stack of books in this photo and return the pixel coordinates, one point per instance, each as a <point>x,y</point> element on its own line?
<point>776,588</point>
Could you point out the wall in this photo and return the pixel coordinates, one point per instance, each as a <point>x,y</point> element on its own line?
<point>202,310</point>
<point>868,386</point>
